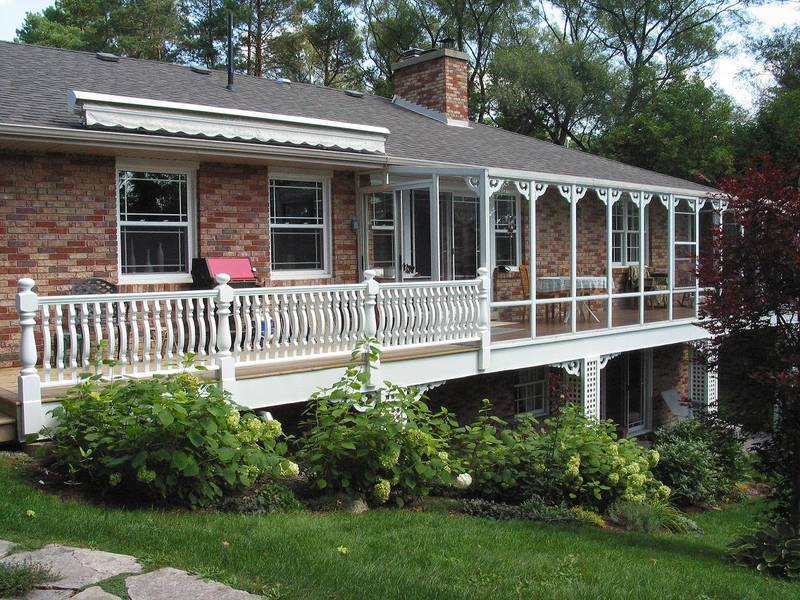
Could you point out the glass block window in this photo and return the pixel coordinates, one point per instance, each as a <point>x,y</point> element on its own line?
<point>298,227</point>
<point>530,392</point>
<point>154,222</point>
<point>506,230</point>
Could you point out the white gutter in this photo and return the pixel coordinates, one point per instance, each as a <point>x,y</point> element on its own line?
<point>126,112</point>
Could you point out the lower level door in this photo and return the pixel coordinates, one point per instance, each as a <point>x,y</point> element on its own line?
<point>625,393</point>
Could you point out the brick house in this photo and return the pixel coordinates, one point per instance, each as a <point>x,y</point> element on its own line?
<point>481,260</point>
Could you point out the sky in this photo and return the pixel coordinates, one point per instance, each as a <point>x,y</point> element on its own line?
<point>727,73</point>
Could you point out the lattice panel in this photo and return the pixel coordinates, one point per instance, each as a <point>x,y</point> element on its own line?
<point>703,388</point>
<point>572,385</point>
<point>591,388</point>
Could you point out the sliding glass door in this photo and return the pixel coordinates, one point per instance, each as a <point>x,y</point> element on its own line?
<point>626,392</point>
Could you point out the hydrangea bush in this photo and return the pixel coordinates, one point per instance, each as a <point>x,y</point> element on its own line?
<point>177,437</point>
<point>377,443</point>
<point>567,459</point>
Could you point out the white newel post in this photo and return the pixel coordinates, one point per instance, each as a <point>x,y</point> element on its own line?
<point>29,388</point>
<point>371,324</point>
<point>225,359</point>
<point>484,318</point>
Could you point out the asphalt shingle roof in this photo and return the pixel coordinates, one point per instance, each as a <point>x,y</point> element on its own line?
<point>35,81</point>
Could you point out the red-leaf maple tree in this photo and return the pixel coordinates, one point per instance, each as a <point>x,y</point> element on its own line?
<point>753,271</point>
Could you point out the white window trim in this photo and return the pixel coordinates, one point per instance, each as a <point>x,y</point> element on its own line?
<point>644,236</point>
<point>327,226</point>
<point>160,166</point>
<point>517,233</point>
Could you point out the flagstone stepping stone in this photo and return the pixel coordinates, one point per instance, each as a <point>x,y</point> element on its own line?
<point>173,584</point>
<point>47,595</point>
<point>76,568</point>
<point>94,593</point>
<point>5,547</point>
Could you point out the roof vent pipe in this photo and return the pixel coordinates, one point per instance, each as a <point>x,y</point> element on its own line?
<point>230,51</point>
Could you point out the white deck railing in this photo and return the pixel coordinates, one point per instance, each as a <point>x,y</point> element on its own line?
<point>140,334</point>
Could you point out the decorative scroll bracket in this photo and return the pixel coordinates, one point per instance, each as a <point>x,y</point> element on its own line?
<point>603,360</point>
<point>572,193</point>
<point>530,190</point>
<point>572,367</point>
<point>608,194</point>
<point>473,183</point>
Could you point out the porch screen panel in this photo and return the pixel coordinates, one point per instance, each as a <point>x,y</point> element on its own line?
<point>506,230</point>
<point>685,243</point>
<point>154,221</point>
<point>591,263</point>
<point>657,267</point>
<point>297,225</point>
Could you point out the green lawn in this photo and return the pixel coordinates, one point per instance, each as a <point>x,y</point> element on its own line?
<point>398,554</point>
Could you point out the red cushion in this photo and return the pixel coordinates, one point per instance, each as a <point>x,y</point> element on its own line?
<point>238,268</point>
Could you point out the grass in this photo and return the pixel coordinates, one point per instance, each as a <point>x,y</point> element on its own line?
<point>399,554</point>
<point>18,580</point>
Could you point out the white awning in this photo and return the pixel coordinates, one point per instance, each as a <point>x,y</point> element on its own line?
<point>126,112</point>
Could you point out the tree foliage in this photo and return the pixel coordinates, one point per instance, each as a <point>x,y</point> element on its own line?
<point>754,273</point>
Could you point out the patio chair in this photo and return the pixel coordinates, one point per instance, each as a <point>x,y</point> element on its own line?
<point>91,286</point>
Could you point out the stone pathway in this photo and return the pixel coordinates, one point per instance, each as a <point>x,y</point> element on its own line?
<point>78,570</point>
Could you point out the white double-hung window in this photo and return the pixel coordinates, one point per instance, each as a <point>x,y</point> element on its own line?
<point>299,218</point>
<point>156,221</point>
<point>506,230</point>
<point>626,239</point>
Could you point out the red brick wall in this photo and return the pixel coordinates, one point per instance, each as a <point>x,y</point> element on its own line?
<point>233,213</point>
<point>670,371</point>
<point>440,84</point>
<point>58,225</point>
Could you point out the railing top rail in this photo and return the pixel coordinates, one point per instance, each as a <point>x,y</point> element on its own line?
<point>124,296</point>
<point>425,284</point>
<point>298,289</point>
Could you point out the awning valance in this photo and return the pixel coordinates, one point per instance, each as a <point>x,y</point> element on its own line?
<point>126,112</point>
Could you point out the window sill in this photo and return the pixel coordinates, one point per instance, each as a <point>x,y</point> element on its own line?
<point>153,278</point>
<point>299,275</point>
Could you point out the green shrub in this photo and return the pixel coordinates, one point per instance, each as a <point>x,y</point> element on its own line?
<point>378,443</point>
<point>571,460</point>
<point>701,462</point>
<point>589,517</point>
<point>176,437</point>
<point>770,550</point>
<point>271,497</point>
<point>650,517</point>
<point>16,580</point>
<point>533,509</point>
<point>586,464</point>
<point>492,453</point>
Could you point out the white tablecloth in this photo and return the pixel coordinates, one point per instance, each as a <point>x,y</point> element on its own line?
<point>562,284</point>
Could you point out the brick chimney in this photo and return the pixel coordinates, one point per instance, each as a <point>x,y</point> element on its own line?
<point>436,80</point>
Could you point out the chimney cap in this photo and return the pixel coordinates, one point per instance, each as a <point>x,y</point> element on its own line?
<point>410,52</point>
<point>448,42</point>
<point>406,60</point>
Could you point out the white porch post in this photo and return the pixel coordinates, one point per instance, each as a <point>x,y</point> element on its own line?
<point>484,319</point>
<point>642,247</point>
<point>671,252</point>
<point>434,218</point>
<point>371,325</point>
<point>225,359</point>
<point>29,388</point>
<point>703,388</point>
<point>609,193</point>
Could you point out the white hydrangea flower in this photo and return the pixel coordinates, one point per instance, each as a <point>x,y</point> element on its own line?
<point>463,481</point>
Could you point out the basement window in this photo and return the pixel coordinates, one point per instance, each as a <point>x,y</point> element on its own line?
<point>156,236</point>
<point>530,392</point>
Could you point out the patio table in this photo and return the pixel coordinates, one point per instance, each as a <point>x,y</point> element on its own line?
<point>550,286</point>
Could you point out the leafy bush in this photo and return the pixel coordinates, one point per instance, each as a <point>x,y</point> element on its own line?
<point>493,455</point>
<point>378,443</point>
<point>271,497</point>
<point>533,509</point>
<point>17,580</point>
<point>571,459</point>
<point>175,437</point>
<point>701,461</point>
<point>650,517</point>
<point>589,517</point>
<point>770,550</point>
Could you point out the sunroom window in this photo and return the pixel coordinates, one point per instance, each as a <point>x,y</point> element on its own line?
<point>530,392</point>
<point>298,225</point>
<point>154,222</point>
<point>506,230</point>
<point>625,234</point>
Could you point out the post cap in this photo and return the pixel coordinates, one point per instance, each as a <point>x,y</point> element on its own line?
<point>369,274</point>
<point>26,284</point>
<point>483,271</point>
<point>222,278</point>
